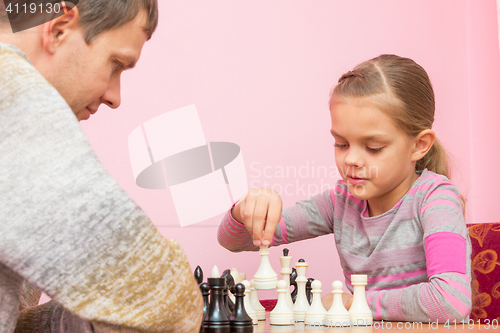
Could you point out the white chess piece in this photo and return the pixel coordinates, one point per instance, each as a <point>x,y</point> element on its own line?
<point>266,277</point>
<point>248,306</point>
<point>337,316</point>
<point>237,279</point>
<point>360,311</point>
<point>317,312</point>
<point>301,304</point>
<point>282,314</point>
<point>236,276</point>
<point>285,275</point>
<point>243,276</point>
<point>254,299</point>
<point>215,272</point>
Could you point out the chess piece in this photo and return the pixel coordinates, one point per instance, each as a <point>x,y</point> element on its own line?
<point>246,303</point>
<point>337,315</point>
<point>308,290</point>
<point>317,312</point>
<point>237,279</point>
<point>301,304</point>
<point>198,275</point>
<point>216,320</point>
<point>360,311</point>
<point>254,300</point>
<point>265,277</point>
<point>215,272</point>
<point>236,276</point>
<point>240,321</point>
<point>230,285</point>
<point>204,292</point>
<point>285,272</point>
<point>282,314</point>
<point>293,283</point>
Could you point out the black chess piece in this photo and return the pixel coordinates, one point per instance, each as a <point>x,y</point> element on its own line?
<point>204,292</point>
<point>230,285</point>
<point>216,321</point>
<point>309,294</point>
<point>285,252</point>
<point>198,274</point>
<point>293,283</point>
<point>240,321</point>
<point>226,299</point>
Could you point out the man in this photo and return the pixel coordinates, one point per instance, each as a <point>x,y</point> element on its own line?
<point>66,227</point>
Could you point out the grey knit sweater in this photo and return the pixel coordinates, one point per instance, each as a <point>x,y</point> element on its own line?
<point>67,228</point>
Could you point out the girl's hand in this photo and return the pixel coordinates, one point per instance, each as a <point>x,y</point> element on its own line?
<point>328,300</point>
<point>259,210</point>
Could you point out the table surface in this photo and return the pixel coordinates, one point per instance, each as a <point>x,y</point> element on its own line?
<point>407,327</point>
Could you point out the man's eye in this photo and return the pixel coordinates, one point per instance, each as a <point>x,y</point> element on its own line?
<point>119,66</point>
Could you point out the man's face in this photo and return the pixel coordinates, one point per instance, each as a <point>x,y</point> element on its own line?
<point>89,75</point>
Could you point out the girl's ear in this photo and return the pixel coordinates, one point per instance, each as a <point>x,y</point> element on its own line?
<point>422,144</point>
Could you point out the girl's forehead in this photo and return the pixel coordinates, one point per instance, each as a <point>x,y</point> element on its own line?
<point>361,120</point>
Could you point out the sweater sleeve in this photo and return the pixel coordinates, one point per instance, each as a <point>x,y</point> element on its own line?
<point>70,230</point>
<point>446,295</point>
<point>306,219</point>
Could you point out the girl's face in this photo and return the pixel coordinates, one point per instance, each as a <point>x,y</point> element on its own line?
<point>373,156</point>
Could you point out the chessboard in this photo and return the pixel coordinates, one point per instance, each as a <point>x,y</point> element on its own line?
<point>231,304</point>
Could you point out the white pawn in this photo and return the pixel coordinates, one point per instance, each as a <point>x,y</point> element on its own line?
<point>248,306</point>
<point>317,312</point>
<point>215,272</point>
<point>282,314</point>
<point>360,311</point>
<point>337,316</point>
<point>285,275</point>
<point>301,304</point>
<point>254,299</point>
<point>265,277</point>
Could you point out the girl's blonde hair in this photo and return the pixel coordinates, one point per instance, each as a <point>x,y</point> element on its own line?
<point>401,88</point>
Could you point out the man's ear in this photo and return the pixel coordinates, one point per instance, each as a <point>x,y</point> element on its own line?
<point>422,144</point>
<point>56,31</point>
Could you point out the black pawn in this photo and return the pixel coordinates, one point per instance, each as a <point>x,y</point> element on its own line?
<point>198,275</point>
<point>204,292</point>
<point>293,283</point>
<point>217,320</point>
<point>240,321</point>
<point>309,294</point>
<point>285,252</point>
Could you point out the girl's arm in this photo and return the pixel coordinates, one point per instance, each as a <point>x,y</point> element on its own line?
<point>306,219</point>
<point>446,295</point>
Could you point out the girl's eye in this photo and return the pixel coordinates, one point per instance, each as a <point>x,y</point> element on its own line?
<point>374,150</point>
<point>338,145</point>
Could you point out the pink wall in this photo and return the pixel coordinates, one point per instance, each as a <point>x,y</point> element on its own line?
<point>260,73</point>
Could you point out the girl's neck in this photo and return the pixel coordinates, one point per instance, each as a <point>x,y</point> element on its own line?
<point>380,205</point>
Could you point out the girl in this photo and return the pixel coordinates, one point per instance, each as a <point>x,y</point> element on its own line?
<point>395,214</point>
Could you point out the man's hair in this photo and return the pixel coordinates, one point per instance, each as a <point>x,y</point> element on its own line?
<point>97,16</point>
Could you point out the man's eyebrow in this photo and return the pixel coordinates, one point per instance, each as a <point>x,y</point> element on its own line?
<point>129,61</point>
<point>365,138</point>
